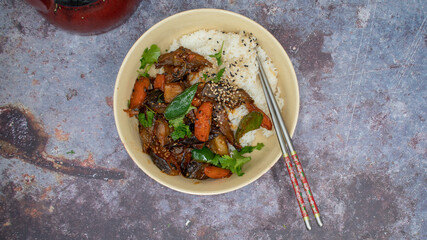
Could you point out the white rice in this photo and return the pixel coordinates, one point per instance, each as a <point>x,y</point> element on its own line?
<point>239,49</point>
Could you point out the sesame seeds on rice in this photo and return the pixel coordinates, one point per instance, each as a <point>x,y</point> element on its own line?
<point>241,68</point>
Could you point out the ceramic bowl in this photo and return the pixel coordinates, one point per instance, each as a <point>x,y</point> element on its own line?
<point>163,34</point>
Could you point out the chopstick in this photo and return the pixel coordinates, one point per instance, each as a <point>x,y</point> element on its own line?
<point>287,147</point>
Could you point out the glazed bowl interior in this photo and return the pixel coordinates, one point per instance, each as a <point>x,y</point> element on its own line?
<point>163,34</point>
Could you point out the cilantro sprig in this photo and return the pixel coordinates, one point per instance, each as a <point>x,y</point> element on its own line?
<point>146,119</point>
<point>218,55</point>
<point>234,162</point>
<point>148,58</point>
<point>180,129</point>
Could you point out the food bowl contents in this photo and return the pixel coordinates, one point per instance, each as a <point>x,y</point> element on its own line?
<point>200,106</point>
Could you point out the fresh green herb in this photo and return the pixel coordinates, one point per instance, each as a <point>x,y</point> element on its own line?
<point>148,58</point>
<point>284,226</point>
<point>205,76</point>
<point>249,149</point>
<point>203,154</point>
<point>248,123</point>
<point>181,103</point>
<point>128,103</point>
<point>218,55</point>
<point>146,120</point>
<point>234,162</point>
<point>218,76</point>
<point>144,74</point>
<point>180,129</point>
<point>71,152</point>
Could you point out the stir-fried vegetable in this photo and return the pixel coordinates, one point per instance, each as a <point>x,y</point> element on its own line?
<point>185,128</point>
<point>266,122</point>
<point>219,145</point>
<point>248,123</point>
<point>159,82</point>
<point>139,94</point>
<point>202,125</point>
<point>171,91</point>
<point>180,104</point>
<point>203,154</point>
<point>234,162</point>
<point>216,172</point>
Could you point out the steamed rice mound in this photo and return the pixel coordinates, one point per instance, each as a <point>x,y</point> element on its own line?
<point>241,68</point>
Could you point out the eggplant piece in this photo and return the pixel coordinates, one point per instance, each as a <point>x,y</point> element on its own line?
<point>146,135</point>
<point>187,142</point>
<point>219,145</point>
<point>155,101</point>
<point>181,62</point>
<point>161,130</point>
<point>183,57</point>
<point>221,121</point>
<point>186,158</point>
<point>226,94</point>
<point>195,170</point>
<point>164,160</point>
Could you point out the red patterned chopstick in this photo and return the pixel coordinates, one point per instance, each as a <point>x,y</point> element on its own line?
<point>306,187</point>
<point>286,145</point>
<point>298,194</point>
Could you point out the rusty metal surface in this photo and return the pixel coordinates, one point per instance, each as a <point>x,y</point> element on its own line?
<point>361,135</point>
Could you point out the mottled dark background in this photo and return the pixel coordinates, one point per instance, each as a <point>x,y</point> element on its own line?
<point>361,133</point>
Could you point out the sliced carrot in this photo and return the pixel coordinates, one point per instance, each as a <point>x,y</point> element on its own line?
<point>266,122</point>
<point>159,82</point>
<point>216,172</point>
<point>202,125</point>
<point>139,94</point>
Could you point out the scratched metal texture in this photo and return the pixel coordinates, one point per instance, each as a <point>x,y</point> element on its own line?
<point>361,134</point>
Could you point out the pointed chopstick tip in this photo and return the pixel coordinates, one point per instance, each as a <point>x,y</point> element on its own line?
<point>307,223</point>
<point>319,220</point>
